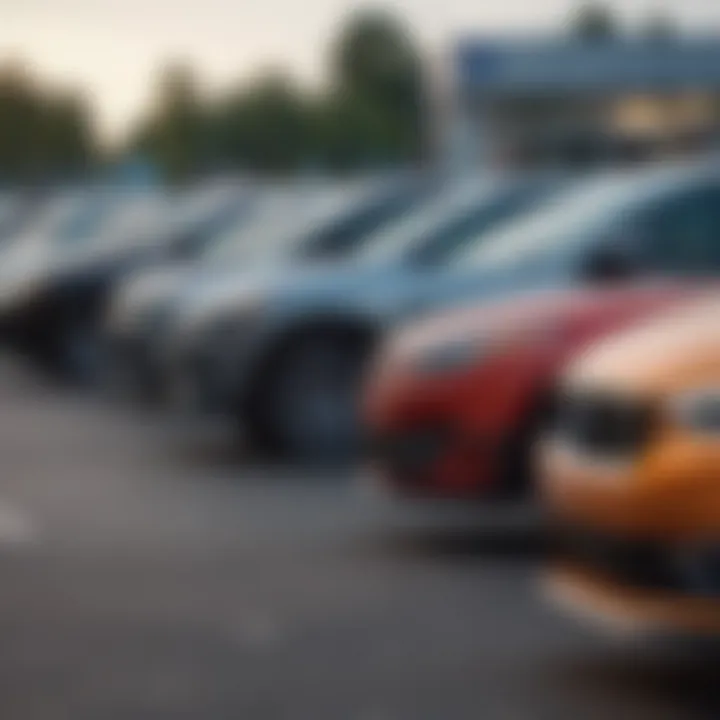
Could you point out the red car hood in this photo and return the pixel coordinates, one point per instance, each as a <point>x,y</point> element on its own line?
<point>532,311</point>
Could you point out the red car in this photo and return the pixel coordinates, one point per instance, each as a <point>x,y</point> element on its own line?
<point>454,403</point>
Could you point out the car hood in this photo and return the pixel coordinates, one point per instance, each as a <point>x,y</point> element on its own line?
<point>25,255</point>
<point>33,260</point>
<point>671,353</point>
<point>25,264</point>
<point>385,294</point>
<point>545,310</point>
<point>148,288</point>
<point>215,292</point>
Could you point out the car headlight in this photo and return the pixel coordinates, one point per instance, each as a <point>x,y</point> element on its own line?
<point>224,328</point>
<point>121,312</point>
<point>203,319</point>
<point>698,409</point>
<point>140,300</point>
<point>17,289</point>
<point>450,356</point>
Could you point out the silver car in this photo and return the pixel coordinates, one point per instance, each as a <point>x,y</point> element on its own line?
<point>283,349</point>
<point>286,226</point>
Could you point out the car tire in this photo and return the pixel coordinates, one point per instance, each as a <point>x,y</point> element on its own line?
<point>518,459</point>
<point>81,352</point>
<point>310,398</point>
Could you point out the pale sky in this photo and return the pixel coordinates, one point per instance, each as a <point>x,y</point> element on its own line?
<point>112,48</point>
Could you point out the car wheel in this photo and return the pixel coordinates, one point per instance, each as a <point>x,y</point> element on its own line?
<point>312,397</point>
<point>81,352</point>
<point>120,380</point>
<point>518,460</point>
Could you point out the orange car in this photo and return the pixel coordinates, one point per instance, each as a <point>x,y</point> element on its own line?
<point>631,473</point>
<point>456,402</point>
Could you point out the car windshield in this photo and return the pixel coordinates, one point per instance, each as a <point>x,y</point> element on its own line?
<point>458,217</point>
<point>564,221</point>
<point>56,214</point>
<point>206,231</point>
<point>475,224</point>
<point>84,223</point>
<point>392,241</point>
<point>133,218</point>
<point>244,238</point>
<point>349,232</point>
<point>335,222</point>
<point>201,203</point>
<point>229,240</point>
<point>279,224</point>
<point>200,208</point>
<point>212,223</point>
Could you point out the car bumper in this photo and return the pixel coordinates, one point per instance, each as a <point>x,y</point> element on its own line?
<point>133,367</point>
<point>461,427</point>
<point>24,322</point>
<point>643,583</point>
<point>200,380</point>
<point>435,461</point>
<point>609,603</point>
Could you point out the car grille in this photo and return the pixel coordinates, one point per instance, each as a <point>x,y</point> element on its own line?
<point>601,424</point>
<point>639,564</point>
<point>156,319</point>
<point>408,454</point>
<point>642,564</point>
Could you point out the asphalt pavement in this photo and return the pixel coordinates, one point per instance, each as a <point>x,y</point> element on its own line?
<point>149,569</point>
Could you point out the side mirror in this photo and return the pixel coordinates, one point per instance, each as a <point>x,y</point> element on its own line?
<point>610,263</point>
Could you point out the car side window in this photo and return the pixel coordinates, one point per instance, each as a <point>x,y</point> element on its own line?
<point>682,235</point>
<point>342,235</point>
<point>472,225</point>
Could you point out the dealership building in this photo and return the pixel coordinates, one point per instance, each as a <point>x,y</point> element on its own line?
<point>578,101</point>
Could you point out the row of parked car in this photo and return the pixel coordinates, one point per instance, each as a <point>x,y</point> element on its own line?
<point>444,328</point>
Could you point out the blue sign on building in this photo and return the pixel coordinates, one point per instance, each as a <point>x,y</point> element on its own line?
<point>576,66</point>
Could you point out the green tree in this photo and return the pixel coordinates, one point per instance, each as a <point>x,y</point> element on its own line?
<point>67,137</point>
<point>350,134</point>
<point>370,114</point>
<point>374,63</point>
<point>175,135</point>
<point>594,22</point>
<point>20,117</point>
<point>660,27</point>
<point>44,133</point>
<point>265,127</point>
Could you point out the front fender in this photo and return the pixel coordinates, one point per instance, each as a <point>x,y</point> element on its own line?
<point>259,349</point>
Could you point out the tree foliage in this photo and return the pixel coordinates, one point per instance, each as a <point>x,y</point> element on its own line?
<point>660,28</point>
<point>370,113</point>
<point>174,134</point>
<point>265,127</point>
<point>44,134</point>
<point>595,22</point>
<point>377,72</point>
